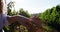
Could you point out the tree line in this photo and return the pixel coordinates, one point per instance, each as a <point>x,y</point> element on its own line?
<point>52,17</point>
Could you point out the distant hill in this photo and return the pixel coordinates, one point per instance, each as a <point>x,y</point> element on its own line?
<point>35,14</point>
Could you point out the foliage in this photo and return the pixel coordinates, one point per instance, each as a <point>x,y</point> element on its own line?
<point>49,15</point>
<point>24,13</point>
<point>52,17</point>
<point>10,7</point>
<point>11,12</point>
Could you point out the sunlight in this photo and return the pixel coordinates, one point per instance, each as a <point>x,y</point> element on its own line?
<point>19,1</point>
<point>35,6</point>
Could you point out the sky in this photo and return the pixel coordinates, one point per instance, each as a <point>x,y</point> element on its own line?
<point>34,6</point>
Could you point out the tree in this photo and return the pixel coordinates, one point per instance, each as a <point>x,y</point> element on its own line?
<point>10,7</point>
<point>24,13</point>
<point>52,17</point>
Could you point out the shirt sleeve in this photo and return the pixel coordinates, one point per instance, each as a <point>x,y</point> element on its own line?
<point>5,21</point>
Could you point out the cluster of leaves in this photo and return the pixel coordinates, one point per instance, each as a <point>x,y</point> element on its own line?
<point>24,13</point>
<point>49,15</point>
<point>11,10</point>
<point>52,17</point>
